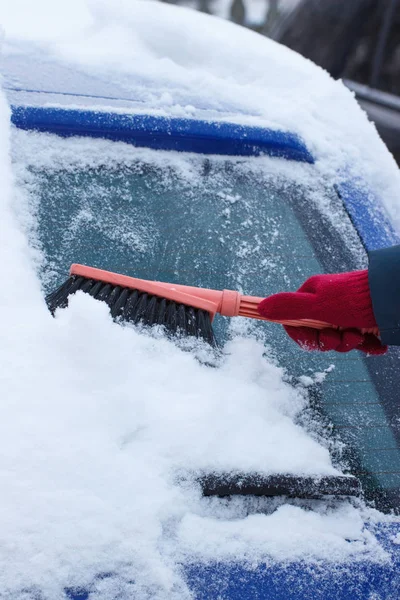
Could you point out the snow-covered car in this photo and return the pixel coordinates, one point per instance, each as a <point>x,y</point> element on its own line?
<point>165,144</point>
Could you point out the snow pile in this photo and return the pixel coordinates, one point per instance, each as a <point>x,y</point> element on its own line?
<point>323,530</point>
<point>99,422</point>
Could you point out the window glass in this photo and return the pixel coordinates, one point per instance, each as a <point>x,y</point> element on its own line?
<point>257,225</point>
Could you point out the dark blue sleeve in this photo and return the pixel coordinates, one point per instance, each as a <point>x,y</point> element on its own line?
<point>384,285</point>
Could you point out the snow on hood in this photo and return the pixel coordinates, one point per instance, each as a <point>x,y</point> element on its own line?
<point>94,423</point>
<point>175,61</point>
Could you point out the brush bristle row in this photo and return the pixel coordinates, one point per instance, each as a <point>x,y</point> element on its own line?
<point>135,306</point>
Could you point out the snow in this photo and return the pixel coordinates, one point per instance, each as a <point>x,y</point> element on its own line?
<point>100,422</point>
<point>191,64</point>
<point>323,527</point>
<point>396,539</point>
<point>307,380</point>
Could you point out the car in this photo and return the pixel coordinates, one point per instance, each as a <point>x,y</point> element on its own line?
<point>201,169</point>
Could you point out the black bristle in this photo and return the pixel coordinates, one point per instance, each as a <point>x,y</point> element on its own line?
<point>150,316</point>
<point>59,298</point>
<point>59,295</point>
<point>191,326</point>
<point>140,308</point>
<point>162,310</point>
<point>78,283</point>
<point>87,286</point>
<point>114,296</point>
<point>118,308</point>
<point>135,306</point>
<point>104,293</point>
<point>96,288</point>
<point>171,320</point>
<point>129,310</point>
<point>201,326</point>
<point>204,327</point>
<point>181,317</point>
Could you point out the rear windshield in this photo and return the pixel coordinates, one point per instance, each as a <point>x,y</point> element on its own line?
<point>260,226</point>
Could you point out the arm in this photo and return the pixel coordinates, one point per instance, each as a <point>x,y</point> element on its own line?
<point>384,284</point>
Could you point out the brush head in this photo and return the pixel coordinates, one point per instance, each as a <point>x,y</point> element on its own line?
<point>134,306</point>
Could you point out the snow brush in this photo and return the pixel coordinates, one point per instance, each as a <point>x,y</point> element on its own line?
<point>179,308</point>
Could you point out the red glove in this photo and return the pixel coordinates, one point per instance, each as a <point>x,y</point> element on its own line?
<point>343,300</point>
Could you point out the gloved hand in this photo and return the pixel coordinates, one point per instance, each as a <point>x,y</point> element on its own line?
<point>342,299</point>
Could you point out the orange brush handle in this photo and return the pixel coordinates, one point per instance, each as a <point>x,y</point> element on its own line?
<point>226,302</point>
<point>248,308</point>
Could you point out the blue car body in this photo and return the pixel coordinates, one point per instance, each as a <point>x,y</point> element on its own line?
<point>231,581</point>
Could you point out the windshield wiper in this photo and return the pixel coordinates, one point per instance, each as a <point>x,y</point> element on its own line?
<point>256,484</point>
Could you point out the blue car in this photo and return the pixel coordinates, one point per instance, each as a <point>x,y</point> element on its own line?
<point>222,197</point>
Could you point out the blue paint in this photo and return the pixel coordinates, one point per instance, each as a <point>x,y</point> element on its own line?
<point>299,580</point>
<point>76,594</point>
<point>230,581</point>
<point>295,581</point>
<point>368,215</point>
<point>161,133</point>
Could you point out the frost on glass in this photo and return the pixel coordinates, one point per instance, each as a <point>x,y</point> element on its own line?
<point>257,225</point>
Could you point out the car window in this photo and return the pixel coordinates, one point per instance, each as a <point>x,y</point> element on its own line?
<point>258,225</point>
